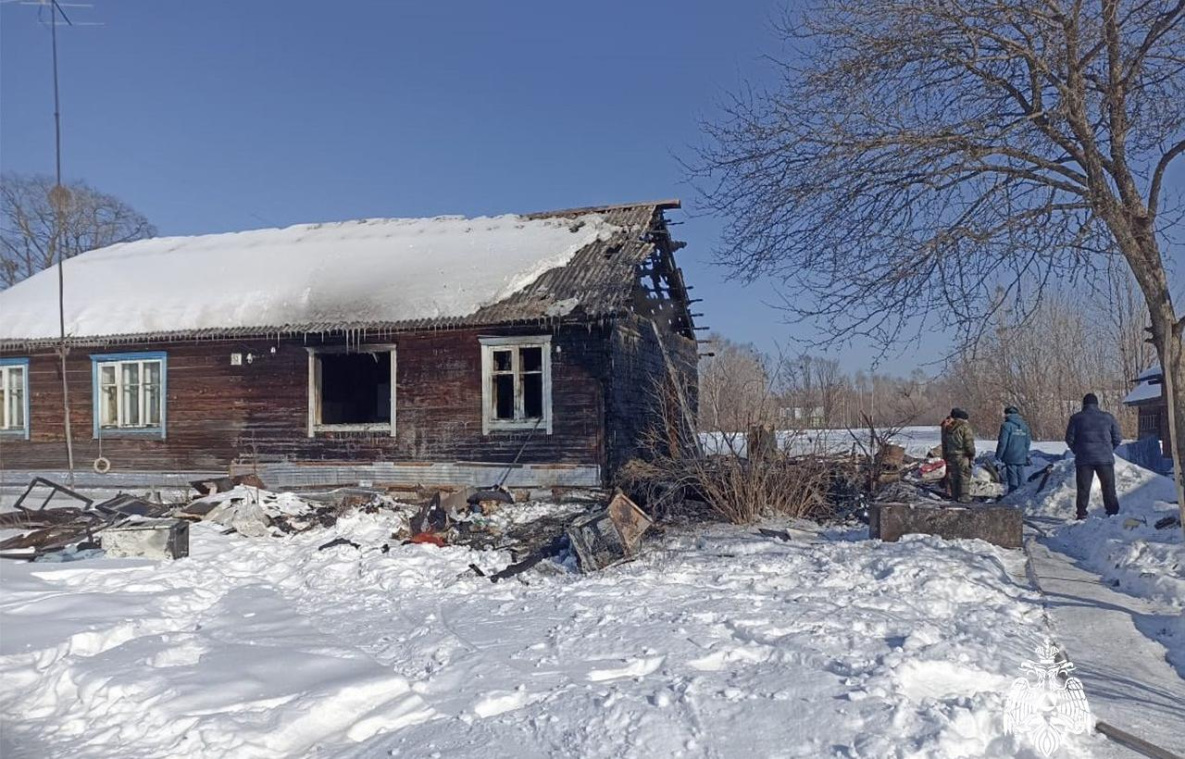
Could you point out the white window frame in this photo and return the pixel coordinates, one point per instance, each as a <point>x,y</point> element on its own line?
<point>314,392</point>
<point>8,367</point>
<point>489,421</point>
<point>118,361</point>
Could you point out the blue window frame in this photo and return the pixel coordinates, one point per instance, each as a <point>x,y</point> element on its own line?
<point>129,393</point>
<point>14,397</point>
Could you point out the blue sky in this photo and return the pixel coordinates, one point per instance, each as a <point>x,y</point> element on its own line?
<point>219,115</point>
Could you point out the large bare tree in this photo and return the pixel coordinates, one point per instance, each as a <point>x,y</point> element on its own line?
<point>921,156</point>
<point>32,235</point>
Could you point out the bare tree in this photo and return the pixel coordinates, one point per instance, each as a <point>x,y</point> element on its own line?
<point>812,389</point>
<point>734,387</point>
<point>1125,319</point>
<point>31,235</point>
<point>920,154</point>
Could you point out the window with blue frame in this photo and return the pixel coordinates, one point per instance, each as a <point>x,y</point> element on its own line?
<point>129,393</point>
<point>14,397</point>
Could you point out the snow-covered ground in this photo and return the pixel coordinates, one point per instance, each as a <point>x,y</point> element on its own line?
<point>717,642</point>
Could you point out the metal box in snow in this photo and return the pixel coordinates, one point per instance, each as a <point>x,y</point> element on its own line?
<point>147,539</point>
<point>609,535</point>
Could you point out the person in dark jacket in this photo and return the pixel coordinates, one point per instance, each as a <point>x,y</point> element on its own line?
<point>1012,447</point>
<point>1093,435</point>
<point>958,449</point>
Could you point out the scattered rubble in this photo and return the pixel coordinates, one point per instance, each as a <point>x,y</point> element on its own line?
<point>132,506</point>
<point>585,533</point>
<point>1173,522</point>
<point>254,512</point>
<point>54,489</point>
<point>224,484</point>
<point>339,541</point>
<point>533,535</point>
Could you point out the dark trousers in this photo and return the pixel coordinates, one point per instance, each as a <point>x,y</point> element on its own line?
<point>1084,475</point>
<point>958,479</point>
<point>1013,474</point>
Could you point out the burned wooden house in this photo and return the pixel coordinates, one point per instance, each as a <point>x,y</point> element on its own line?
<point>403,351</point>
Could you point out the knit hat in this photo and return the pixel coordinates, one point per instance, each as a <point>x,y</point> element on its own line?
<point>1011,410</point>
<point>1090,399</point>
<point>959,413</point>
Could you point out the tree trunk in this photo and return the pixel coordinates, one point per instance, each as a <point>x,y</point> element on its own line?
<point>1172,362</point>
<point>1167,339</point>
<point>1142,253</point>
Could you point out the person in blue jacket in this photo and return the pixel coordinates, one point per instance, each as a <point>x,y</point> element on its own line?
<point>1093,435</point>
<point>1012,447</point>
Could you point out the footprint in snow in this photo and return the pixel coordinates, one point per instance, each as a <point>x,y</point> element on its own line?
<point>500,702</point>
<point>634,668</point>
<point>725,657</point>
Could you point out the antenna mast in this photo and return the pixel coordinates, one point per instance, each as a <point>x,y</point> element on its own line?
<point>59,199</point>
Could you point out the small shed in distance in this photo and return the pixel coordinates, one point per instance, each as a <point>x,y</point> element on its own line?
<point>1147,397</point>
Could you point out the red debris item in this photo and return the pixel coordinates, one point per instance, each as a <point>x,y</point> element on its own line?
<point>932,470</point>
<point>430,538</point>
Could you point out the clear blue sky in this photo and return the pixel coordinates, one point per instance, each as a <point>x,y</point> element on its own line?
<point>224,115</point>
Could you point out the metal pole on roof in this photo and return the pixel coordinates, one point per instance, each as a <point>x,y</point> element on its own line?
<point>60,198</point>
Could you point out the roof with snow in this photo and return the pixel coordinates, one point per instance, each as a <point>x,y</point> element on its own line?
<point>370,274</point>
<point>1147,387</point>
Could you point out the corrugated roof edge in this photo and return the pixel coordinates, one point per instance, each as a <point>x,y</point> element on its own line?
<point>368,331</point>
<point>661,205</point>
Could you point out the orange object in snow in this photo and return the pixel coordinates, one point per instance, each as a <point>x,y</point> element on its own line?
<point>430,538</point>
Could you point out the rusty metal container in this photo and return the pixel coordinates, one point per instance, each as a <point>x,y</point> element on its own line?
<point>147,539</point>
<point>609,535</point>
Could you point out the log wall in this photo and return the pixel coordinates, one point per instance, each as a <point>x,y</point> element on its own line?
<point>219,414</point>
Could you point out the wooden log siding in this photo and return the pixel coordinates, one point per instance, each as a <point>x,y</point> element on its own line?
<point>639,369</point>
<point>219,414</point>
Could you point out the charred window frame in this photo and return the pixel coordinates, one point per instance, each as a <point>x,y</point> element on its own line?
<point>329,406</point>
<point>14,397</point>
<point>516,383</point>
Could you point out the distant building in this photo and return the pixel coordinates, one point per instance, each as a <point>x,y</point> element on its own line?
<point>1147,397</point>
<point>804,416</point>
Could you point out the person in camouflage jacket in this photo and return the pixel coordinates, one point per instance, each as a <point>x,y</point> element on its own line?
<point>958,450</point>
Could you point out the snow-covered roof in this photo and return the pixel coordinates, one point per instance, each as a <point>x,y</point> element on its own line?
<point>1150,373</point>
<point>1147,387</point>
<point>318,277</point>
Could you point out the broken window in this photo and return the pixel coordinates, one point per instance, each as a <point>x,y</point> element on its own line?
<point>14,396</point>
<point>351,391</point>
<point>129,392</point>
<point>516,383</point>
<point>654,277</point>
